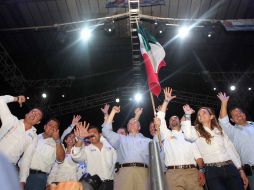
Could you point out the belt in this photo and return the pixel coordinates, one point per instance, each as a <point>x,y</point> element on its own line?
<point>220,164</point>
<point>142,165</point>
<point>37,172</point>
<point>181,166</point>
<point>107,180</point>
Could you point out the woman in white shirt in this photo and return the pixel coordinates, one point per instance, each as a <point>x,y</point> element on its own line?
<point>66,171</point>
<point>223,165</point>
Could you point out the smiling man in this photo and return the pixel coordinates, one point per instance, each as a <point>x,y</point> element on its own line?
<point>18,138</point>
<point>99,156</point>
<point>241,134</point>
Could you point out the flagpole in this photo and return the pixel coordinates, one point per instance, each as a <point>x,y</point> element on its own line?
<point>154,113</point>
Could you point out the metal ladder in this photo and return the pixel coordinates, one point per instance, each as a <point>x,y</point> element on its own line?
<point>134,10</point>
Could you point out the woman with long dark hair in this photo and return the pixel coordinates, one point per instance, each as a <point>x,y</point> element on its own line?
<point>223,165</point>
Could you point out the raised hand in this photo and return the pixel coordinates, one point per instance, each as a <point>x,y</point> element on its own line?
<point>82,130</point>
<point>188,110</point>
<point>223,97</point>
<point>116,109</point>
<point>138,111</point>
<point>105,109</point>
<point>21,99</point>
<point>75,120</point>
<point>168,94</point>
<point>55,134</point>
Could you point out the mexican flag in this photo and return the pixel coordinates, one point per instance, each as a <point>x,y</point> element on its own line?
<point>153,54</point>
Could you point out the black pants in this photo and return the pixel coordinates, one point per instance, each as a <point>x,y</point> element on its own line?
<point>223,178</point>
<point>107,185</point>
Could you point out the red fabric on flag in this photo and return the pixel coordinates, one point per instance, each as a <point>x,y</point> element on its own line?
<point>152,77</point>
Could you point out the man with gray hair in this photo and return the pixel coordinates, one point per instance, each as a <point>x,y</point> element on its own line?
<point>133,153</point>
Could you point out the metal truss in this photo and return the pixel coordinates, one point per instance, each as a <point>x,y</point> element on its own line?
<point>228,76</point>
<point>13,76</point>
<point>51,83</point>
<point>10,72</point>
<point>124,93</point>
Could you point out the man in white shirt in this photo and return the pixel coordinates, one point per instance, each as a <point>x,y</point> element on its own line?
<point>241,134</point>
<point>181,156</point>
<point>99,156</point>
<point>48,149</point>
<point>18,137</point>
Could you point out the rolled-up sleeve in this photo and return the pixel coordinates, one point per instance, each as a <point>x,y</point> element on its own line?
<point>165,132</point>
<point>66,132</point>
<point>195,151</point>
<point>189,131</point>
<point>78,154</point>
<point>112,137</point>
<point>227,126</point>
<point>5,114</point>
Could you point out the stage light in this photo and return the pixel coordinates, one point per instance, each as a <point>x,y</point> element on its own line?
<point>130,99</point>
<point>27,97</point>
<point>249,88</point>
<point>161,29</point>
<point>117,100</point>
<point>63,95</point>
<point>214,89</point>
<point>183,32</point>
<point>138,97</point>
<point>232,87</point>
<point>44,95</point>
<point>86,33</point>
<point>109,27</point>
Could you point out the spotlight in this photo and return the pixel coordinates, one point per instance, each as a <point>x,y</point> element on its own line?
<point>249,88</point>
<point>138,97</point>
<point>214,89</point>
<point>161,29</point>
<point>44,95</point>
<point>232,87</point>
<point>183,31</point>
<point>27,97</point>
<point>86,33</point>
<point>109,27</point>
<point>117,100</point>
<point>63,95</point>
<point>130,99</point>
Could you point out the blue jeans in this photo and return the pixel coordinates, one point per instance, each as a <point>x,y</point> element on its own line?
<point>223,178</point>
<point>36,181</point>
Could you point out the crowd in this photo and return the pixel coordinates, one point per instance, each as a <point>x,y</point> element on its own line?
<point>214,154</point>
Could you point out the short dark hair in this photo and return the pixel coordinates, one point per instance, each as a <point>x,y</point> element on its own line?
<point>95,127</point>
<point>55,120</point>
<point>233,108</point>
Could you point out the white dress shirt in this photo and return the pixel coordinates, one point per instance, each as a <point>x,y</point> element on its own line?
<point>66,171</point>
<point>178,151</point>
<point>221,148</point>
<point>45,154</point>
<point>242,137</point>
<point>15,140</point>
<point>99,162</point>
